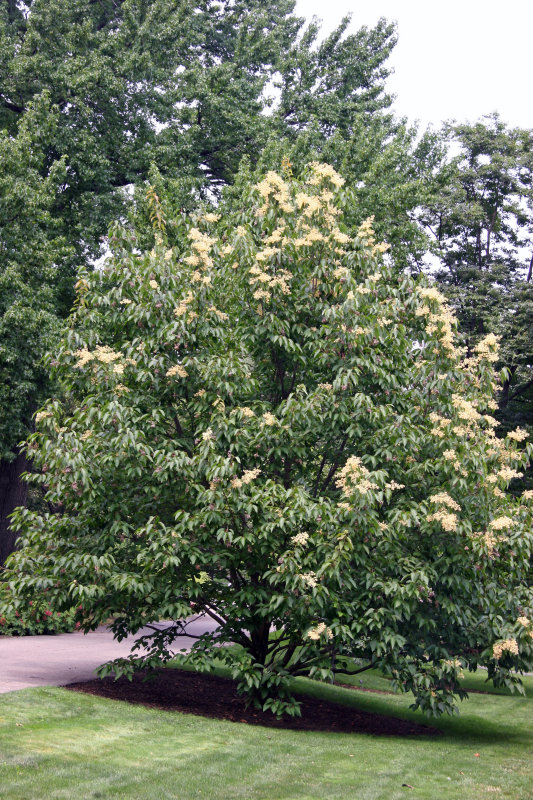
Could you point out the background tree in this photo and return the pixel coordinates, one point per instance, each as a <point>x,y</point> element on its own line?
<point>34,260</point>
<point>249,431</point>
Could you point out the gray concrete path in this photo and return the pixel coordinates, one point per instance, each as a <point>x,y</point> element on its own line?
<point>27,661</point>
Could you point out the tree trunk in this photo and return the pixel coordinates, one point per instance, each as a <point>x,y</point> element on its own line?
<point>13,492</point>
<point>504,397</point>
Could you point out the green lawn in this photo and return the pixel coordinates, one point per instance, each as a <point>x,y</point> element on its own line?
<point>57,744</point>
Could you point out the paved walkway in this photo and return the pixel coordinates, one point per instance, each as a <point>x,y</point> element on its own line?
<point>27,661</point>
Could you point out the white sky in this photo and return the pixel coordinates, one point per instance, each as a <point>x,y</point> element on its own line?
<point>458,59</point>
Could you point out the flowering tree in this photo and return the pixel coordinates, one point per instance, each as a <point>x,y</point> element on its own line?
<point>268,425</point>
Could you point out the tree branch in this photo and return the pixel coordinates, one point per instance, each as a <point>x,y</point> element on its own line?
<point>520,390</point>
<point>355,671</point>
<point>12,106</point>
<point>335,465</point>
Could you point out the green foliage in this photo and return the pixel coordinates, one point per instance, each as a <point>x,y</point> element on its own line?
<point>267,424</point>
<point>183,84</point>
<point>94,94</point>
<point>33,270</point>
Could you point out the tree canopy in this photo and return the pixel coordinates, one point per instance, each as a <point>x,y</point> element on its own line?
<point>269,424</point>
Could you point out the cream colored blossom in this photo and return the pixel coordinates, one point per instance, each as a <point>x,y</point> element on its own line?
<point>460,430</point>
<point>177,370</point>
<point>192,260</point>
<point>508,474</point>
<point>240,231</point>
<point>310,579</point>
<point>276,235</point>
<point>465,409</point>
<point>309,202</point>
<point>211,217</point>
<point>101,353</point>
<point>273,186</point>
<point>324,172</point>
<point>220,314</point>
<point>355,476</point>
<point>312,236</point>
<point>266,253</point>
<point>262,294</point>
<point>443,498</point>
<point>40,415</point>
<point>247,477</point>
<point>447,520</point>
<point>154,285</point>
<point>431,293</point>
<point>518,435</point>
<point>341,272</point>
<point>269,419</point>
<point>321,629</point>
<point>528,494</point>
<point>488,347</point>
<point>83,356</point>
<point>125,301</point>
<point>339,236</point>
<point>85,435</point>
<point>501,523</point>
<point>395,486</point>
<point>507,645</point>
<point>344,506</point>
<point>199,393</point>
<point>183,307</point>
<point>381,247</point>
<point>301,539</point>
<point>208,435</point>
<point>524,621</point>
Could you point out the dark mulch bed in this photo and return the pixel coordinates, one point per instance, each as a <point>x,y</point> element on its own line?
<point>211,696</point>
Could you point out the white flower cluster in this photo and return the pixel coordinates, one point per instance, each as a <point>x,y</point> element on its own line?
<point>301,539</point>
<point>320,630</point>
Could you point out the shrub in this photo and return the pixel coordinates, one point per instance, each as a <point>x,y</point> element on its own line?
<point>37,618</point>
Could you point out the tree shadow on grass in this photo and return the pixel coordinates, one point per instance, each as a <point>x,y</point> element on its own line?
<point>467,726</point>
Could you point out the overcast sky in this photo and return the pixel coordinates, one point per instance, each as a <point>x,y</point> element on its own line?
<point>458,59</point>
